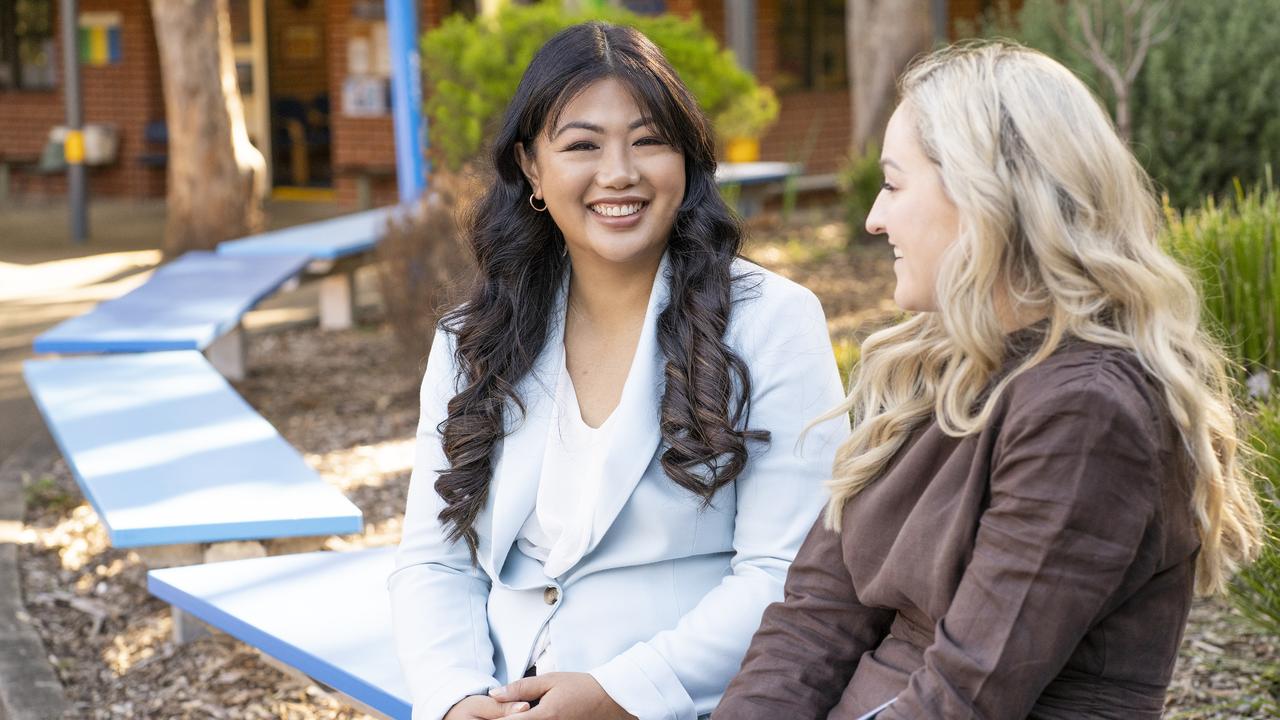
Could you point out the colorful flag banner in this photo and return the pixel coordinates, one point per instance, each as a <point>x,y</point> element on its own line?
<point>100,38</point>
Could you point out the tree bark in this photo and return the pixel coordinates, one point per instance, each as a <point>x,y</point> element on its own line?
<point>883,36</point>
<point>215,173</point>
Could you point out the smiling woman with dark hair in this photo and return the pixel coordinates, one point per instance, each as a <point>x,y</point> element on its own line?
<point>608,486</point>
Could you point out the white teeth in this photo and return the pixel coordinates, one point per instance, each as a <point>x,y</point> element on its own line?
<point>617,210</point>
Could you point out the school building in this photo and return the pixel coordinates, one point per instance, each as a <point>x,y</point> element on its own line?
<point>313,76</point>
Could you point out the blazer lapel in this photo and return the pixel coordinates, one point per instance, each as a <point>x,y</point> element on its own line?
<point>632,444</point>
<point>635,436</point>
<point>517,470</point>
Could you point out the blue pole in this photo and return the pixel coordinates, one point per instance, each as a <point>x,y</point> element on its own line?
<point>406,98</point>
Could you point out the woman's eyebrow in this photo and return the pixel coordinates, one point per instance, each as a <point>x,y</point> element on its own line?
<point>591,127</point>
<point>886,162</point>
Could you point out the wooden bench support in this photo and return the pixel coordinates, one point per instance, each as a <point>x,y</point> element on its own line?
<point>337,301</point>
<point>163,556</point>
<point>187,627</point>
<point>292,545</point>
<point>227,355</point>
<point>364,192</point>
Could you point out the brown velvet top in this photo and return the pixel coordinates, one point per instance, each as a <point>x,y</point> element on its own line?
<point>1043,567</point>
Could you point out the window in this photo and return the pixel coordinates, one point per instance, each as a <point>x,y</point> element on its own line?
<point>26,44</point>
<point>645,7</point>
<point>811,46</point>
<point>466,7</point>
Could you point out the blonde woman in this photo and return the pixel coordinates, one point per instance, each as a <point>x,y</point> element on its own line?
<point>1043,462</point>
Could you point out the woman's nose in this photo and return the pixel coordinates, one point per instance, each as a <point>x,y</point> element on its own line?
<point>617,168</point>
<point>875,221</point>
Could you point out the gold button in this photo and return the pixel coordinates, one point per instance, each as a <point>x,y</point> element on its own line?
<point>551,594</point>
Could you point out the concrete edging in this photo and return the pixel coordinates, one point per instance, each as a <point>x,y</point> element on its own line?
<point>29,686</point>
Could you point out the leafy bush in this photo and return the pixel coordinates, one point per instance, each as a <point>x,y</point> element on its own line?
<point>1256,590</point>
<point>747,115</point>
<point>472,68</point>
<point>1234,248</point>
<point>859,180</point>
<point>1206,104</point>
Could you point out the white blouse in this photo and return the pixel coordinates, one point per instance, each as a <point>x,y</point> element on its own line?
<point>560,529</point>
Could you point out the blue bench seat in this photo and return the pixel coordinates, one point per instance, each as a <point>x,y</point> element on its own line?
<point>325,242</point>
<point>326,614</point>
<point>186,305</point>
<point>167,453</point>
<point>754,173</point>
<point>331,239</point>
<point>754,180</point>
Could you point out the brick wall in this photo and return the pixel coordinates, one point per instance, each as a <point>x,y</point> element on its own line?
<point>127,95</point>
<point>826,115</point>
<point>363,142</point>
<point>295,76</point>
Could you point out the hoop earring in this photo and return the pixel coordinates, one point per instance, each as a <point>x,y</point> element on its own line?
<point>535,207</point>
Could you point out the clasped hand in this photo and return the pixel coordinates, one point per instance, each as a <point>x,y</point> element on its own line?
<point>560,696</point>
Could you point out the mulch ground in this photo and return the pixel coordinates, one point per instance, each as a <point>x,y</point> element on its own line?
<point>348,402</point>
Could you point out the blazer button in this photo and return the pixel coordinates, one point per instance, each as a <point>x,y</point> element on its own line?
<point>551,594</point>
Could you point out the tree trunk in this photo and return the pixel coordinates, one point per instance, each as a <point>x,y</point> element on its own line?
<point>214,172</point>
<point>882,36</point>
<point>1123,121</point>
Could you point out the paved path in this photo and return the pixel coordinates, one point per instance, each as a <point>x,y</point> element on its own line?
<point>44,279</point>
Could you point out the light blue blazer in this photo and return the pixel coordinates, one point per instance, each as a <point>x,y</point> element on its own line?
<point>661,610</point>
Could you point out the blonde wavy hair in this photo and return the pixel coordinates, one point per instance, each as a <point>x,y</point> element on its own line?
<point>1056,218</point>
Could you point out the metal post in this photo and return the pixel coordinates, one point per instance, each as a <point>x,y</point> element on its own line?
<point>942,20</point>
<point>406,98</point>
<point>73,150</point>
<point>740,24</point>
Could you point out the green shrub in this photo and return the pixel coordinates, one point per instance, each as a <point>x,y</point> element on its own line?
<point>1256,589</point>
<point>748,114</point>
<point>1206,104</point>
<point>472,68</point>
<point>859,180</point>
<point>1234,248</point>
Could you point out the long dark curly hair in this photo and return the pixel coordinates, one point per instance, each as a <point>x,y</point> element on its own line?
<point>501,328</point>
